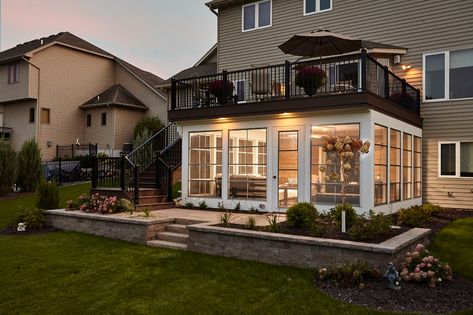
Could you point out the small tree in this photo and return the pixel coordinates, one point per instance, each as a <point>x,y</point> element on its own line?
<point>30,170</point>
<point>343,153</point>
<point>152,124</point>
<point>8,167</point>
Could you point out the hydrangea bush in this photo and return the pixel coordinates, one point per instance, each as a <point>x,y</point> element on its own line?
<point>420,266</point>
<point>95,203</point>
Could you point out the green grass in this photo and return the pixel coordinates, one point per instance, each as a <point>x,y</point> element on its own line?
<point>454,244</point>
<point>9,207</point>
<point>67,272</point>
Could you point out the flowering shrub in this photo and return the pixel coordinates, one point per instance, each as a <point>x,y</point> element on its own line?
<point>216,87</point>
<point>95,203</point>
<point>310,78</point>
<point>420,266</point>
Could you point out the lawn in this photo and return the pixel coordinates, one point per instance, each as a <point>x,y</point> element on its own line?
<point>9,207</point>
<point>76,273</point>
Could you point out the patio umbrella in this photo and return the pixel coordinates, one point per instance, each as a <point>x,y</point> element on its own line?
<point>320,43</point>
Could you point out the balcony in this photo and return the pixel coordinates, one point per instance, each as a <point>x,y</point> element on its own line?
<point>348,82</point>
<point>6,134</point>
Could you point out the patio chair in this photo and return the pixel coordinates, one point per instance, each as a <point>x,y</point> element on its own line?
<point>260,83</point>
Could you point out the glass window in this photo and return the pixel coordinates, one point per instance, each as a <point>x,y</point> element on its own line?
<point>461,74</point>
<point>324,188</point>
<point>313,6</point>
<point>205,180</point>
<point>380,164</point>
<point>104,119</point>
<point>288,168</point>
<point>435,76</point>
<point>407,166</point>
<point>13,73</point>
<point>257,15</point>
<point>466,159</point>
<point>448,159</point>
<point>45,116</point>
<point>32,115</point>
<point>247,164</point>
<point>417,167</point>
<point>395,166</point>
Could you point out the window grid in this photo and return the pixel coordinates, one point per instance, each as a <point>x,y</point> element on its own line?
<point>395,165</point>
<point>381,165</point>
<point>417,167</point>
<point>407,166</point>
<point>257,15</point>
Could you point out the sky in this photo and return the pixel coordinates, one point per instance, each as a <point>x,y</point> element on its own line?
<point>160,36</point>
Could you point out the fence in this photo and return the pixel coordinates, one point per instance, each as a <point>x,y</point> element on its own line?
<point>66,171</point>
<point>74,150</point>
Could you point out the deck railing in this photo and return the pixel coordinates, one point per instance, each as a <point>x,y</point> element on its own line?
<point>342,75</point>
<point>6,134</point>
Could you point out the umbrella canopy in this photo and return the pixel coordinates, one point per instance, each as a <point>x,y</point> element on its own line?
<point>320,43</point>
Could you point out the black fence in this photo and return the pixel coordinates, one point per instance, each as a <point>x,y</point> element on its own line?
<point>73,150</point>
<point>67,171</point>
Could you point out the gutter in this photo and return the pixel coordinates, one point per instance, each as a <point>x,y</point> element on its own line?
<point>37,118</point>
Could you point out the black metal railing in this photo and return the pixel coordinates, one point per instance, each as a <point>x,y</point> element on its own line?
<point>74,150</point>
<point>345,74</point>
<point>162,150</point>
<point>6,134</point>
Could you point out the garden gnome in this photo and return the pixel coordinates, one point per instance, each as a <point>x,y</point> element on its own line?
<point>392,275</point>
<point>21,227</point>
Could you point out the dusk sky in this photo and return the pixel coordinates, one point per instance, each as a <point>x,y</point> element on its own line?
<point>161,36</point>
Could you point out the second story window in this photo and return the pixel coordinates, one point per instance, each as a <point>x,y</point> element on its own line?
<point>256,15</point>
<point>13,73</point>
<point>104,119</point>
<point>447,75</point>
<point>32,115</point>
<point>89,120</point>
<point>314,6</point>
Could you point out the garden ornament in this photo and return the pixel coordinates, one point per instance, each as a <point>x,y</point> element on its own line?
<point>392,275</point>
<point>21,227</point>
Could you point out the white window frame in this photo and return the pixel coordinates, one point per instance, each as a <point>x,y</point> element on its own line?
<point>447,77</point>
<point>256,4</point>
<point>457,160</point>
<point>317,8</point>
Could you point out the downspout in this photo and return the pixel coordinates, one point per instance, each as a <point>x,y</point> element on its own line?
<point>37,118</point>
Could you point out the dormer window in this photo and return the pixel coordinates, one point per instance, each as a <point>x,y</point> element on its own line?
<point>13,73</point>
<point>315,6</point>
<point>256,15</point>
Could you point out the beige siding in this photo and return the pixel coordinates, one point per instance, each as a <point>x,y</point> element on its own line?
<point>17,91</point>
<point>157,105</point>
<point>421,26</point>
<point>69,78</point>
<point>96,133</point>
<point>125,121</point>
<point>16,116</point>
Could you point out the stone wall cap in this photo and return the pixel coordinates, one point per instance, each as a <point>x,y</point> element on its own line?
<point>390,246</point>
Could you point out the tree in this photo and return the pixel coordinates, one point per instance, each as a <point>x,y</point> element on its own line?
<point>152,124</point>
<point>30,169</point>
<point>8,168</point>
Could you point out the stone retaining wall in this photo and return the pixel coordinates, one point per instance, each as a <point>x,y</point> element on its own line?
<point>299,251</point>
<point>136,230</point>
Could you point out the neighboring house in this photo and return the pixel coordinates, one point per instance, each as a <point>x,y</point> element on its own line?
<point>61,88</point>
<point>259,142</point>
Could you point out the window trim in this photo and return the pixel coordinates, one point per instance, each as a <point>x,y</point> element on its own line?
<point>457,160</point>
<point>256,4</point>
<point>317,8</point>
<point>387,166</point>
<point>446,98</point>
<point>49,116</point>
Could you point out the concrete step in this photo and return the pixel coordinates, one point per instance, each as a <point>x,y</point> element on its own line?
<point>157,205</point>
<point>152,199</point>
<point>165,244</point>
<point>173,237</point>
<point>187,221</point>
<point>177,228</point>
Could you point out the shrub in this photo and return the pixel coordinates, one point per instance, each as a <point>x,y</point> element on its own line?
<point>188,205</point>
<point>102,155</point>
<point>203,205</point>
<point>30,170</point>
<point>350,214</point>
<point>225,218</point>
<point>237,207</point>
<point>420,266</point>
<point>8,168</point>
<point>101,204</point>
<point>253,210</point>
<point>272,222</point>
<point>414,216</point>
<point>251,223</point>
<point>351,272</point>
<point>48,195</point>
<point>150,123</point>
<point>34,218</point>
<point>370,228</point>
<point>220,206</point>
<point>431,208</point>
<point>146,211</point>
<point>176,190</point>
<point>141,138</point>
<point>301,214</point>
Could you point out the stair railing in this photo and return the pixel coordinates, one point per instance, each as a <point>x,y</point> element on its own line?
<point>167,161</point>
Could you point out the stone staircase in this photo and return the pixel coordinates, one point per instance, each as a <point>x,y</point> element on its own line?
<point>174,236</point>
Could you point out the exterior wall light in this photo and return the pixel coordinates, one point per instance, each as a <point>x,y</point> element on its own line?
<point>49,143</point>
<point>406,67</point>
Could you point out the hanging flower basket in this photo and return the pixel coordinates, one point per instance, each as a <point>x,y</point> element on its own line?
<point>217,88</point>
<point>310,78</point>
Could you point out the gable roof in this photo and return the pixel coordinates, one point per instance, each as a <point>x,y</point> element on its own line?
<point>208,55</point>
<point>116,95</point>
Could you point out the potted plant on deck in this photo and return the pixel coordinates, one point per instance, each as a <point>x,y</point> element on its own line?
<point>217,88</point>
<point>310,78</point>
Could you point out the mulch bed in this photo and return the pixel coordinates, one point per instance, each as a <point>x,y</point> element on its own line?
<point>450,297</point>
<point>16,195</point>
<point>13,231</point>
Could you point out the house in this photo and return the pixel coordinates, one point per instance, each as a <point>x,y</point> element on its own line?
<point>251,135</point>
<point>60,89</point>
